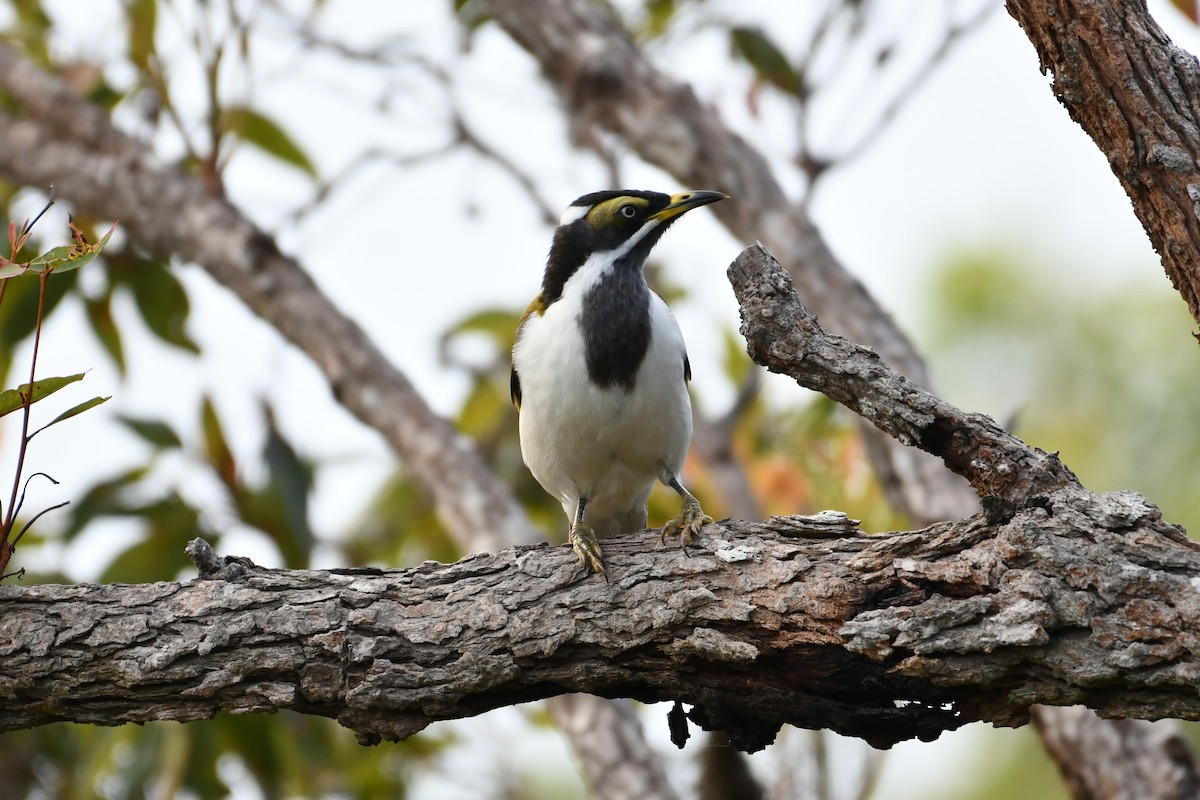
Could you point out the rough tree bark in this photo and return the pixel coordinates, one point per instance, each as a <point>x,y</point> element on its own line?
<point>1052,595</point>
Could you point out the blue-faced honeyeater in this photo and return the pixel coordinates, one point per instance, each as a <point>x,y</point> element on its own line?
<point>600,371</point>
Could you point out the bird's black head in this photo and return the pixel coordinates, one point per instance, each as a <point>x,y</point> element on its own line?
<point>624,222</point>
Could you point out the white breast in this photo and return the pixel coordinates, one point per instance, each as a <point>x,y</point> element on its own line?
<point>609,445</point>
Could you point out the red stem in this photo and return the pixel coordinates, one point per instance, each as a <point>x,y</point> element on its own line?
<point>10,512</point>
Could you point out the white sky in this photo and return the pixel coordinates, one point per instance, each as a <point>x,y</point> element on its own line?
<point>983,154</point>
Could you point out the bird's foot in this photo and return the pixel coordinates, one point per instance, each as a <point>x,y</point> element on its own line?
<point>691,519</point>
<point>586,547</point>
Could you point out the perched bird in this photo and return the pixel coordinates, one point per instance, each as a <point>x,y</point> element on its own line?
<point>600,371</point>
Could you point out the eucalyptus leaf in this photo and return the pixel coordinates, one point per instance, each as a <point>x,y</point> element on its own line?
<point>76,410</point>
<point>70,256</point>
<point>13,399</point>
<point>768,61</point>
<point>257,129</point>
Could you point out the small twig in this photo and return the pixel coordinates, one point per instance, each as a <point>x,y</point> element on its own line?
<point>25,488</point>
<point>817,166</point>
<point>11,516</point>
<point>28,226</point>
<point>363,160</point>
<point>466,136</point>
<point>955,31</point>
<point>35,518</point>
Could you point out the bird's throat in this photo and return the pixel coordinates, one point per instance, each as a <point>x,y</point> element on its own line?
<point>615,323</point>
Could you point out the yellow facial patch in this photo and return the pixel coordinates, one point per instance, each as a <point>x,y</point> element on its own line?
<point>609,212</point>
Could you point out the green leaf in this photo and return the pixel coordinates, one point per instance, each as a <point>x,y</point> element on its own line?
<point>141,17</point>
<point>105,499</point>
<point>76,410</point>
<point>1189,8</point>
<point>736,363</point>
<point>659,14</point>
<point>767,60</point>
<point>171,523</point>
<point>499,325</point>
<point>259,130</point>
<point>31,29</point>
<point>14,399</point>
<point>12,269</point>
<point>159,434</point>
<point>99,313</point>
<point>163,303</point>
<point>71,256</point>
<point>217,446</point>
<point>280,507</point>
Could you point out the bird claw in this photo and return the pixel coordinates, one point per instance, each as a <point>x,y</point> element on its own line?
<point>587,548</point>
<point>691,519</point>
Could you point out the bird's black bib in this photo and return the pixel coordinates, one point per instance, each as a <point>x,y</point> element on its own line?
<point>615,322</point>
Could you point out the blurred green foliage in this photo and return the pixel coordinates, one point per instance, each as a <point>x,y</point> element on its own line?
<point>1106,372</point>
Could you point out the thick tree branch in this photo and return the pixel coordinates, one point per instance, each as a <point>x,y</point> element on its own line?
<point>1082,599</point>
<point>1138,96</point>
<point>1069,598</point>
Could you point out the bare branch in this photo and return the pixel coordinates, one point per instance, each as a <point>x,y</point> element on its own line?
<point>109,174</point>
<point>1118,754</point>
<point>954,32</point>
<point>607,739</point>
<point>782,336</point>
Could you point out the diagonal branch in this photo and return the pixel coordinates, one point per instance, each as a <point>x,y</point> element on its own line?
<point>784,337</point>
<point>102,171</point>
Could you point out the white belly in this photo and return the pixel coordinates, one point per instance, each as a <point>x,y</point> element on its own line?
<point>608,445</point>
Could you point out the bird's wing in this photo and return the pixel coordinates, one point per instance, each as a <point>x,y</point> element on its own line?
<point>538,306</point>
<point>514,387</point>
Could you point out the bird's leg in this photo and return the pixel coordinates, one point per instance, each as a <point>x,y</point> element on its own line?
<point>583,541</point>
<point>691,517</point>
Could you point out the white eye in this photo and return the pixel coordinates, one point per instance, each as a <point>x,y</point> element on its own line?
<point>628,211</point>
